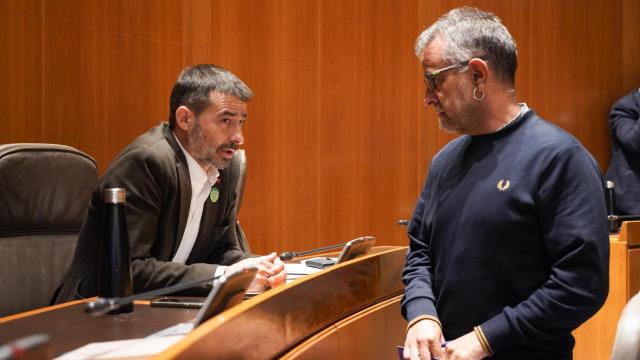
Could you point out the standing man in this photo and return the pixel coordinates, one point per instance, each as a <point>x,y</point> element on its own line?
<point>624,168</point>
<point>509,246</point>
<point>180,203</point>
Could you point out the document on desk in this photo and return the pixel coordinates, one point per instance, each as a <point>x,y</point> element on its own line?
<point>296,270</point>
<point>120,349</point>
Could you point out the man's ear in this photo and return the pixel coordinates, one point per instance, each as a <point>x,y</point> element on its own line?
<point>479,71</point>
<point>184,118</point>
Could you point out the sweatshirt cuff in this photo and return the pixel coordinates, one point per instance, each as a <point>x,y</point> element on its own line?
<point>497,333</point>
<point>483,340</point>
<point>424,317</point>
<point>419,307</point>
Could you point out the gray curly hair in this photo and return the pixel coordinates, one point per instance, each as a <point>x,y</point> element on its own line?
<point>470,32</point>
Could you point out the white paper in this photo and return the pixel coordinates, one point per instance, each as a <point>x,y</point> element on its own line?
<point>299,269</point>
<point>122,348</point>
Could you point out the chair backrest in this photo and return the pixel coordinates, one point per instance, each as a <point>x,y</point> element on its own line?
<point>627,342</point>
<point>239,166</point>
<point>44,195</point>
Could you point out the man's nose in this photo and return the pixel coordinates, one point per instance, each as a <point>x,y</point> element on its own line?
<point>237,137</point>
<point>429,97</point>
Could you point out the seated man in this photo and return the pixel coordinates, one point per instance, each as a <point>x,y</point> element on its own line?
<point>624,169</point>
<point>180,202</point>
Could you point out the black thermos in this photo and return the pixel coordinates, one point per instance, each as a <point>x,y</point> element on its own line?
<point>114,279</point>
<point>611,205</point>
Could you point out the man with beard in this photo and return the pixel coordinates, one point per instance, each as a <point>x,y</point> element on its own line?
<point>509,245</point>
<point>180,202</point>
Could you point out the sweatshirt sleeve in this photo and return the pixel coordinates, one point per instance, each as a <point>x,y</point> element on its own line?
<point>624,122</point>
<point>572,218</point>
<point>418,296</point>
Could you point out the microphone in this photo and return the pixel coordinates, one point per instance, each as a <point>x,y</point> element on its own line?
<point>611,206</point>
<point>623,217</point>
<point>292,254</point>
<point>101,306</point>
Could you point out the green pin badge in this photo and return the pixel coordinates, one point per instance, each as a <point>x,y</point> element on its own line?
<point>214,195</point>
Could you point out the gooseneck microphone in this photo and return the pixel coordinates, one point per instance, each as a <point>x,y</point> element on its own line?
<point>623,217</point>
<point>101,306</point>
<point>292,254</point>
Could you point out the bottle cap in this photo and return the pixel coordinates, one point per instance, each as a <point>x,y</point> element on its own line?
<point>114,196</point>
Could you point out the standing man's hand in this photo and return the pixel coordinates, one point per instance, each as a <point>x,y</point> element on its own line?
<point>466,347</point>
<point>423,341</point>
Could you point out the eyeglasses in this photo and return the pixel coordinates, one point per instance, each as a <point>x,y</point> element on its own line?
<point>431,77</point>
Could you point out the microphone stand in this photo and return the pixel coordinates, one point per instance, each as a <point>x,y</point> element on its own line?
<point>292,254</point>
<point>623,217</point>
<point>614,220</point>
<point>101,306</point>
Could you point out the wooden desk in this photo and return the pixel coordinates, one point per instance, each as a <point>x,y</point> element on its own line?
<point>272,325</point>
<point>594,338</point>
<point>267,326</point>
<point>70,328</point>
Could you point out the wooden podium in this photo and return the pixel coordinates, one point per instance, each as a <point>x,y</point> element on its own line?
<point>350,310</point>
<point>594,338</point>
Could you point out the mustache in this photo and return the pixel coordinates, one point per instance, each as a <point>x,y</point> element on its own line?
<point>228,146</point>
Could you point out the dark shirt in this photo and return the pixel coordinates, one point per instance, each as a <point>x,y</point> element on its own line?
<point>624,168</point>
<point>510,233</point>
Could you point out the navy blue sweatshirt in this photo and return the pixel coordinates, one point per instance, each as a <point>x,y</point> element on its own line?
<point>510,233</point>
<point>624,168</point>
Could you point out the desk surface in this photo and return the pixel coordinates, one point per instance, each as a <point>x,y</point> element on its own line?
<point>70,328</point>
<point>267,325</point>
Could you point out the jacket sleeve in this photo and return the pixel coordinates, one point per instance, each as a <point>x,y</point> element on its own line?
<point>573,225</point>
<point>624,122</point>
<point>146,179</point>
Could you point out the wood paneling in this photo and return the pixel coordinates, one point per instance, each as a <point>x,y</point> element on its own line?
<point>25,7</point>
<point>103,89</point>
<point>21,74</point>
<point>338,141</point>
<point>595,338</point>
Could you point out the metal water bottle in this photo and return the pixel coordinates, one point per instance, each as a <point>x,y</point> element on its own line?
<point>115,265</point>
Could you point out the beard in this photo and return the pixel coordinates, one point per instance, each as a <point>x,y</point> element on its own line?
<point>204,153</point>
<point>468,115</point>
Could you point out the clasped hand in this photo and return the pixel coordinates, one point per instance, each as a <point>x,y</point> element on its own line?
<point>271,272</point>
<point>424,341</point>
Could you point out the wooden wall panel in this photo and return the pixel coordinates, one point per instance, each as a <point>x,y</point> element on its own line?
<point>338,140</point>
<point>21,74</point>
<point>103,89</point>
<point>25,7</point>
<point>629,49</point>
<point>282,178</point>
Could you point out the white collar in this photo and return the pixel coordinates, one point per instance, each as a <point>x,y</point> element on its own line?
<point>523,109</point>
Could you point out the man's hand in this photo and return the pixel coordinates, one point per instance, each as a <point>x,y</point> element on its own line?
<point>464,347</point>
<point>271,272</point>
<point>423,341</point>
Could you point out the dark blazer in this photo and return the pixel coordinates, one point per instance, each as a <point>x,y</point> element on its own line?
<point>154,172</point>
<point>624,168</point>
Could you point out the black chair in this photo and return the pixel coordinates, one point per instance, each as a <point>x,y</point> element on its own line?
<point>239,166</point>
<point>44,196</point>
<point>627,342</point>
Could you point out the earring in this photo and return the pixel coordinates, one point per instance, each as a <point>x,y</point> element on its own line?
<point>475,95</point>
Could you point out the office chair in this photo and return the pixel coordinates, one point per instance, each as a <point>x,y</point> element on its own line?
<point>44,196</point>
<point>239,166</point>
<point>627,342</point>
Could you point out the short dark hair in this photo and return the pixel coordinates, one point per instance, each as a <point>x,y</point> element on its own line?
<point>196,83</point>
